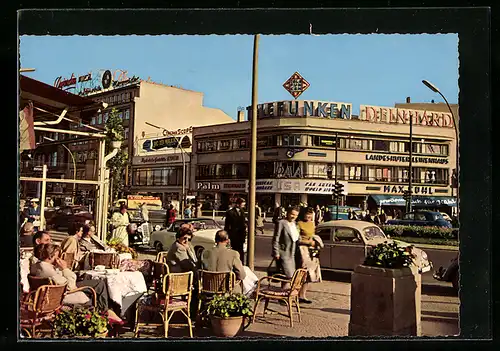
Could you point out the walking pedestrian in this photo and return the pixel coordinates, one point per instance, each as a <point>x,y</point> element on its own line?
<point>328,216</point>
<point>306,244</point>
<point>318,218</point>
<point>188,212</point>
<point>259,221</point>
<point>199,214</point>
<point>235,226</point>
<point>368,217</point>
<point>383,217</point>
<point>120,221</point>
<point>171,215</point>
<point>284,243</point>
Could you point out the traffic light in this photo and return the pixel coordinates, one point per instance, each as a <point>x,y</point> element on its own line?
<point>406,195</point>
<point>338,190</point>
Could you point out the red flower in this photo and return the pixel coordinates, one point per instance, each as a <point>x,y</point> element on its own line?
<point>87,316</point>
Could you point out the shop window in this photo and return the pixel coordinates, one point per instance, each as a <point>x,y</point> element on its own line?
<point>99,118</point>
<point>242,170</point>
<point>352,172</point>
<point>381,145</point>
<point>209,146</point>
<point>127,114</point>
<point>318,170</point>
<point>265,170</point>
<point>225,170</point>
<point>263,141</point>
<point>157,177</point>
<point>290,140</point>
<point>224,144</point>
<point>323,141</point>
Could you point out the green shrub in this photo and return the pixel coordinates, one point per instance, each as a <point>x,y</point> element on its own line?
<point>229,305</point>
<point>420,232</point>
<point>389,255</point>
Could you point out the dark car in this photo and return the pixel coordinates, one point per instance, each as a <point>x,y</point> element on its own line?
<point>66,216</point>
<point>422,218</point>
<point>450,273</point>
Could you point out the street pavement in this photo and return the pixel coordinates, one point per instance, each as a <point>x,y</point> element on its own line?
<point>328,315</point>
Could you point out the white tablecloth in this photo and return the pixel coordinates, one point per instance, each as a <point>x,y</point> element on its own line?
<point>24,266</point>
<point>122,286</point>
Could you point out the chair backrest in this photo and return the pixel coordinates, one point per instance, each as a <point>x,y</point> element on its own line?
<point>37,282</point>
<point>107,259</point>
<point>216,282</point>
<point>178,284</point>
<point>161,256</point>
<point>159,271</point>
<point>49,298</point>
<point>69,258</point>
<point>298,279</point>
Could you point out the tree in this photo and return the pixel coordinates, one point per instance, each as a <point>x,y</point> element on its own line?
<point>115,132</point>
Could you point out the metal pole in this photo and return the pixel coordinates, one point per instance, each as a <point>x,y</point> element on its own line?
<point>183,184</point>
<point>74,170</point>
<point>42,200</point>
<point>100,204</point>
<point>253,157</point>
<point>336,155</point>
<point>457,144</point>
<point>411,170</point>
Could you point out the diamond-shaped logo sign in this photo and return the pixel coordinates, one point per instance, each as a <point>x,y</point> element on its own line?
<point>296,85</point>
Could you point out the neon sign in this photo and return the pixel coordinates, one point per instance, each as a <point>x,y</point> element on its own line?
<point>93,82</point>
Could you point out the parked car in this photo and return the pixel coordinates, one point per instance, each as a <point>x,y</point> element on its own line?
<point>203,237</point>
<point>449,274</point>
<point>67,215</point>
<point>347,243</point>
<point>422,218</point>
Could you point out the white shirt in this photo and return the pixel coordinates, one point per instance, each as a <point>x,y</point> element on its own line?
<point>293,230</point>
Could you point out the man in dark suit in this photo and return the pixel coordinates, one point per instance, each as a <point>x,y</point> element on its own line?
<point>221,258</point>
<point>235,226</point>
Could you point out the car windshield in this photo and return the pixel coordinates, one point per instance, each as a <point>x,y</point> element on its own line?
<point>203,224</point>
<point>80,210</point>
<point>373,233</point>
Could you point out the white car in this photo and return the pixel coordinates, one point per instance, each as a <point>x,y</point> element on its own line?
<point>347,243</point>
<point>203,236</point>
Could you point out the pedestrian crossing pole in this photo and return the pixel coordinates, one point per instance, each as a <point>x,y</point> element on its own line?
<point>253,158</point>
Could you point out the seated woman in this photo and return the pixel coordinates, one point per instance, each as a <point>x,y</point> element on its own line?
<point>181,256</point>
<point>49,261</point>
<point>26,237</point>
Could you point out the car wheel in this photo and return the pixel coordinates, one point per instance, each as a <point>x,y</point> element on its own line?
<point>455,280</point>
<point>158,246</point>
<point>198,250</point>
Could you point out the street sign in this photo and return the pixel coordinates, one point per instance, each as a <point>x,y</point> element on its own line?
<point>296,85</point>
<point>38,169</point>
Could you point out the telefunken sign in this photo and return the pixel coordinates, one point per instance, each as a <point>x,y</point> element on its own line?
<point>301,108</point>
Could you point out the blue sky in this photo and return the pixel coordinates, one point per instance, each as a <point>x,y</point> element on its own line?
<point>361,69</point>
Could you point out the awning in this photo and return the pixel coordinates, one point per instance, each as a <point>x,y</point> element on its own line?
<point>419,201</point>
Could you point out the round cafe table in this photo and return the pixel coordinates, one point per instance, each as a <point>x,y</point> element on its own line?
<point>124,288</point>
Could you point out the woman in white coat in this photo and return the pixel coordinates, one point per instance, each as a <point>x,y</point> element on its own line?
<point>120,221</point>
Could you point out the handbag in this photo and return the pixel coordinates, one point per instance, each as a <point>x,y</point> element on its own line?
<point>276,269</point>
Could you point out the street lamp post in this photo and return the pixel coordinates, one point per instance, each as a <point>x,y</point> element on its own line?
<point>457,141</point>
<point>183,153</point>
<point>74,165</point>
<point>253,157</point>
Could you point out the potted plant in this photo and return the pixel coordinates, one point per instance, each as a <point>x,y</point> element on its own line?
<point>80,322</point>
<point>386,293</point>
<point>228,312</point>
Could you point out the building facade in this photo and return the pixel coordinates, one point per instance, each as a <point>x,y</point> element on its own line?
<point>296,156</point>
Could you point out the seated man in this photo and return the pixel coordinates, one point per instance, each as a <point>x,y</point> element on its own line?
<point>49,260</point>
<point>71,243</point>
<point>89,240</point>
<point>40,237</point>
<point>221,258</point>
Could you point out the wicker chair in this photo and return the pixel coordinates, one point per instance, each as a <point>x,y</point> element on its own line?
<point>70,259</point>
<point>210,284</point>
<point>107,259</point>
<point>162,257</point>
<point>37,282</point>
<point>289,295</point>
<point>177,289</point>
<point>38,312</point>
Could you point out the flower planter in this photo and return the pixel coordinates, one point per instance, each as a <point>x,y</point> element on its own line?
<point>385,302</point>
<point>116,144</point>
<point>228,326</point>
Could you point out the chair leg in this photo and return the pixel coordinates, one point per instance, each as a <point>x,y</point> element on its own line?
<point>255,309</point>
<point>165,323</point>
<point>266,304</point>
<point>290,311</point>
<point>189,323</point>
<point>298,307</point>
<point>136,329</point>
